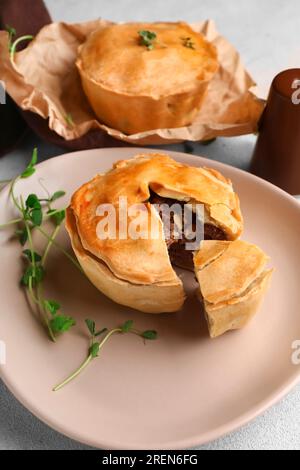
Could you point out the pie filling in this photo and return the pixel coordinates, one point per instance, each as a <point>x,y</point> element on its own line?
<point>179,255</point>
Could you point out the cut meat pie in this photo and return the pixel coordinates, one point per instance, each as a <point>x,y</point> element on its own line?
<point>137,271</point>
<point>233,280</point>
<point>176,246</point>
<point>143,76</point>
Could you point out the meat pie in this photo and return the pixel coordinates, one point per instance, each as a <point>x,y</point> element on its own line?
<point>137,271</point>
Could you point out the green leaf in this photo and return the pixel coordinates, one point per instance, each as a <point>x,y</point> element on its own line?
<point>39,275</point>
<point>57,195</point>
<point>147,35</point>
<point>11,31</point>
<point>36,217</point>
<point>32,256</point>
<point>127,326</point>
<point>35,274</point>
<point>149,334</point>
<point>100,332</point>
<point>147,38</point>
<point>61,323</point>
<point>91,326</point>
<point>94,349</point>
<point>28,172</point>
<point>33,202</point>
<point>34,157</point>
<point>23,236</point>
<point>52,306</point>
<point>69,120</point>
<point>26,276</point>
<point>59,217</point>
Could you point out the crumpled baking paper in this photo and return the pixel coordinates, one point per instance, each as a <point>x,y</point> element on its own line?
<point>44,79</point>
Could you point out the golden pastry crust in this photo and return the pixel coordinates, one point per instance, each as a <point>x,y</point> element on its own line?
<point>232,282</point>
<point>152,298</point>
<point>231,271</point>
<point>134,89</point>
<point>146,261</point>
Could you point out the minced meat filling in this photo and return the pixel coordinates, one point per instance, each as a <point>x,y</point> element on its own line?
<point>179,255</point>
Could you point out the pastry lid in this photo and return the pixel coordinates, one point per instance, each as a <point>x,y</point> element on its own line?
<point>146,260</point>
<point>176,60</point>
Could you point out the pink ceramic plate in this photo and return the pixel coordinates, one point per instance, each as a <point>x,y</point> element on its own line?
<point>181,390</point>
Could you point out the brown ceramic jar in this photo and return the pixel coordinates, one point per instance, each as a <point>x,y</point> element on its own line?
<point>277,153</point>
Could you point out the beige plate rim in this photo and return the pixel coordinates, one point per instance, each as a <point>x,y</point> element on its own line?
<point>194,440</point>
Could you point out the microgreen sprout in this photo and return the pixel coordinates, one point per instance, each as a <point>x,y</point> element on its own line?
<point>188,42</point>
<point>11,34</point>
<point>12,45</point>
<point>32,213</point>
<point>69,120</point>
<point>147,38</point>
<point>96,346</point>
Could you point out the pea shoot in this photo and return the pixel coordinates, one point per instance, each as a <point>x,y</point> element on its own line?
<point>32,213</point>
<point>96,346</point>
<point>147,38</point>
<point>188,42</point>
<point>11,34</point>
<point>12,45</point>
<point>69,120</point>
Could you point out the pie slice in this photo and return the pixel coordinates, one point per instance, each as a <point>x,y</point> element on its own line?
<point>232,279</point>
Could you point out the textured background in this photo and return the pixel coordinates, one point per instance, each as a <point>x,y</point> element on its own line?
<point>266,32</point>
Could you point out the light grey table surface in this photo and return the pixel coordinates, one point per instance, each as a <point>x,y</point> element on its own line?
<point>266,32</point>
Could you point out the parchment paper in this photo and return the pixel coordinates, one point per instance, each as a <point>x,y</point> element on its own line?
<point>43,79</point>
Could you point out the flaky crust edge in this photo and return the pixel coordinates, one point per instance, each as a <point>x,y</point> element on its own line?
<point>152,298</point>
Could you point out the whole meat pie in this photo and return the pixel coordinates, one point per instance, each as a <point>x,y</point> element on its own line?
<point>137,271</point>
<point>143,76</point>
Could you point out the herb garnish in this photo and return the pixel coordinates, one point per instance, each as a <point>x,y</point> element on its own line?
<point>147,39</point>
<point>11,34</point>
<point>95,346</point>
<point>12,45</point>
<point>32,213</point>
<point>187,42</point>
<point>69,120</point>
